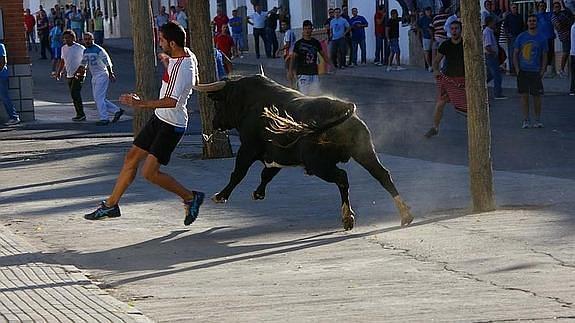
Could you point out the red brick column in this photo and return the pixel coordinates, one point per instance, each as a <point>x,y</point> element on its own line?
<point>18,59</point>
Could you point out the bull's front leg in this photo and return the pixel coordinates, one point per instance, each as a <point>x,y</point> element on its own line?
<point>244,160</point>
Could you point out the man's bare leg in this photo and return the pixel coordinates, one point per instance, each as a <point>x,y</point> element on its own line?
<point>525,106</point>
<point>438,113</point>
<point>537,106</point>
<point>151,172</point>
<point>131,163</point>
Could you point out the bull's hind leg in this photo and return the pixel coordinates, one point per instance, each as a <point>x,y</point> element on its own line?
<point>266,176</point>
<point>371,163</point>
<point>333,174</point>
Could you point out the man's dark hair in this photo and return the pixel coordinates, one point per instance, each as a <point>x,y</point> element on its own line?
<point>458,23</point>
<point>307,23</point>
<point>337,9</point>
<point>489,20</point>
<point>532,16</point>
<point>393,11</point>
<point>381,7</point>
<point>173,31</point>
<point>427,8</point>
<point>69,32</point>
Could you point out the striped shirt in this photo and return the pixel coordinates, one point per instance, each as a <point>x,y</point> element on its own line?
<point>177,83</point>
<point>438,27</point>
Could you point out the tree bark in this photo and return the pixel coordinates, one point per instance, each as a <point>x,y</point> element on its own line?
<point>144,59</point>
<point>478,126</point>
<point>215,144</point>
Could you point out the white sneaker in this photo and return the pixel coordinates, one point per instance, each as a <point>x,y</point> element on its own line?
<point>399,68</point>
<point>430,69</point>
<point>526,124</point>
<point>562,75</point>
<point>388,69</point>
<point>12,122</point>
<point>537,124</point>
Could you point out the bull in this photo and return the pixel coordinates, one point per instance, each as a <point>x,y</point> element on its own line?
<point>281,127</point>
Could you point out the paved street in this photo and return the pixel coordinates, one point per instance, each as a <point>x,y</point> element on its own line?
<point>286,258</point>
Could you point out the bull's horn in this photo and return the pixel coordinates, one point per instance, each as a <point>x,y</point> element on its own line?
<point>210,87</point>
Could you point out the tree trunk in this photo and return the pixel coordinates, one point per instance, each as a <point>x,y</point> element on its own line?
<point>478,127</point>
<point>144,59</point>
<point>216,144</point>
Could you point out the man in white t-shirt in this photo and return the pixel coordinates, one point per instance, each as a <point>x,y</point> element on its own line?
<point>72,54</point>
<point>160,136</point>
<point>98,62</point>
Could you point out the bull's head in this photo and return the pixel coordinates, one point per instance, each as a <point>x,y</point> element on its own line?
<point>217,92</point>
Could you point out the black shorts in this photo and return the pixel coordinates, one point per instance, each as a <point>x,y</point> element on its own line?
<point>159,139</point>
<point>529,83</point>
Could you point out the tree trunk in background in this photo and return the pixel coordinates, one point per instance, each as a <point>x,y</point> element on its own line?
<point>144,59</point>
<point>478,126</point>
<point>216,144</point>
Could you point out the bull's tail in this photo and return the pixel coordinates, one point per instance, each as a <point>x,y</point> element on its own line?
<point>282,125</point>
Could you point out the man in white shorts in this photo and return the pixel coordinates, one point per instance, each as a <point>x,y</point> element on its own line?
<point>303,64</point>
<point>97,60</point>
<point>160,136</point>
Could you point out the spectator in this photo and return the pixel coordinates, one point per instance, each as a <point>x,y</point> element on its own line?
<point>326,24</point>
<point>439,34</point>
<point>220,19</point>
<point>380,21</point>
<point>348,41</point>
<point>393,38</point>
<point>358,24</point>
<point>530,57</point>
<point>258,20</point>
<point>450,79</point>
<point>339,27</point>
<point>289,43</point>
<point>303,65</point>
<point>56,43</point>
<point>72,54</point>
<point>271,26</point>
<point>572,54</point>
<point>99,27</point>
<point>181,17</point>
<point>173,14</point>
<point>30,24</point>
<point>4,92</point>
<point>225,42</point>
<point>237,24</point>
<point>77,20</point>
<point>43,29</point>
<point>67,15</point>
<point>454,17</point>
<point>162,18</point>
<point>425,28</point>
<point>545,28</point>
<point>513,26</point>
<point>491,51</point>
<point>562,20</point>
<point>224,66</point>
<point>488,5</point>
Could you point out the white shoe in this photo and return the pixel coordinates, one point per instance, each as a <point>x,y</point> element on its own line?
<point>537,124</point>
<point>526,124</point>
<point>399,68</point>
<point>12,122</point>
<point>388,69</point>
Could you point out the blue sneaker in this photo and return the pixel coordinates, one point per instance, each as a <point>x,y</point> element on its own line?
<point>103,212</point>
<point>193,207</point>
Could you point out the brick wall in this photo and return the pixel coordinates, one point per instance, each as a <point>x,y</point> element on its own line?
<point>18,59</point>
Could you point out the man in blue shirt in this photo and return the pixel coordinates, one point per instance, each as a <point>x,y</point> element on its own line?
<point>4,93</point>
<point>545,28</point>
<point>358,24</point>
<point>425,27</point>
<point>530,58</point>
<point>236,24</point>
<point>339,27</point>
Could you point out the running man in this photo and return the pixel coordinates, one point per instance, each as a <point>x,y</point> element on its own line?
<point>72,54</point>
<point>97,60</point>
<point>158,139</point>
<point>450,80</point>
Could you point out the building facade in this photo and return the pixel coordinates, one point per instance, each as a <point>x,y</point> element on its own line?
<point>20,71</point>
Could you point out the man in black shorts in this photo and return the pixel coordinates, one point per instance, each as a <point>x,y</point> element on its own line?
<point>530,58</point>
<point>158,139</point>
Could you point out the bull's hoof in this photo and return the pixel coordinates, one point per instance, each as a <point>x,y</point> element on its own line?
<point>406,219</point>
<point>258,196</point>
<point>404,213</point>
<point>219,199</point>
<point>348,222</point>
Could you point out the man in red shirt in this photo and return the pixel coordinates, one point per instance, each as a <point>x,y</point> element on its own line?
<point>220,20</point>
<point>30,23</point>
<point>380,20</point>
<point>225,42</point>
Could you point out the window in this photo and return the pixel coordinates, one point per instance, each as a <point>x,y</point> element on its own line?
<point>319,12</point>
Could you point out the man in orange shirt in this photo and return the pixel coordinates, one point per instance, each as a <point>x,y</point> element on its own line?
<point>225,42</point>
